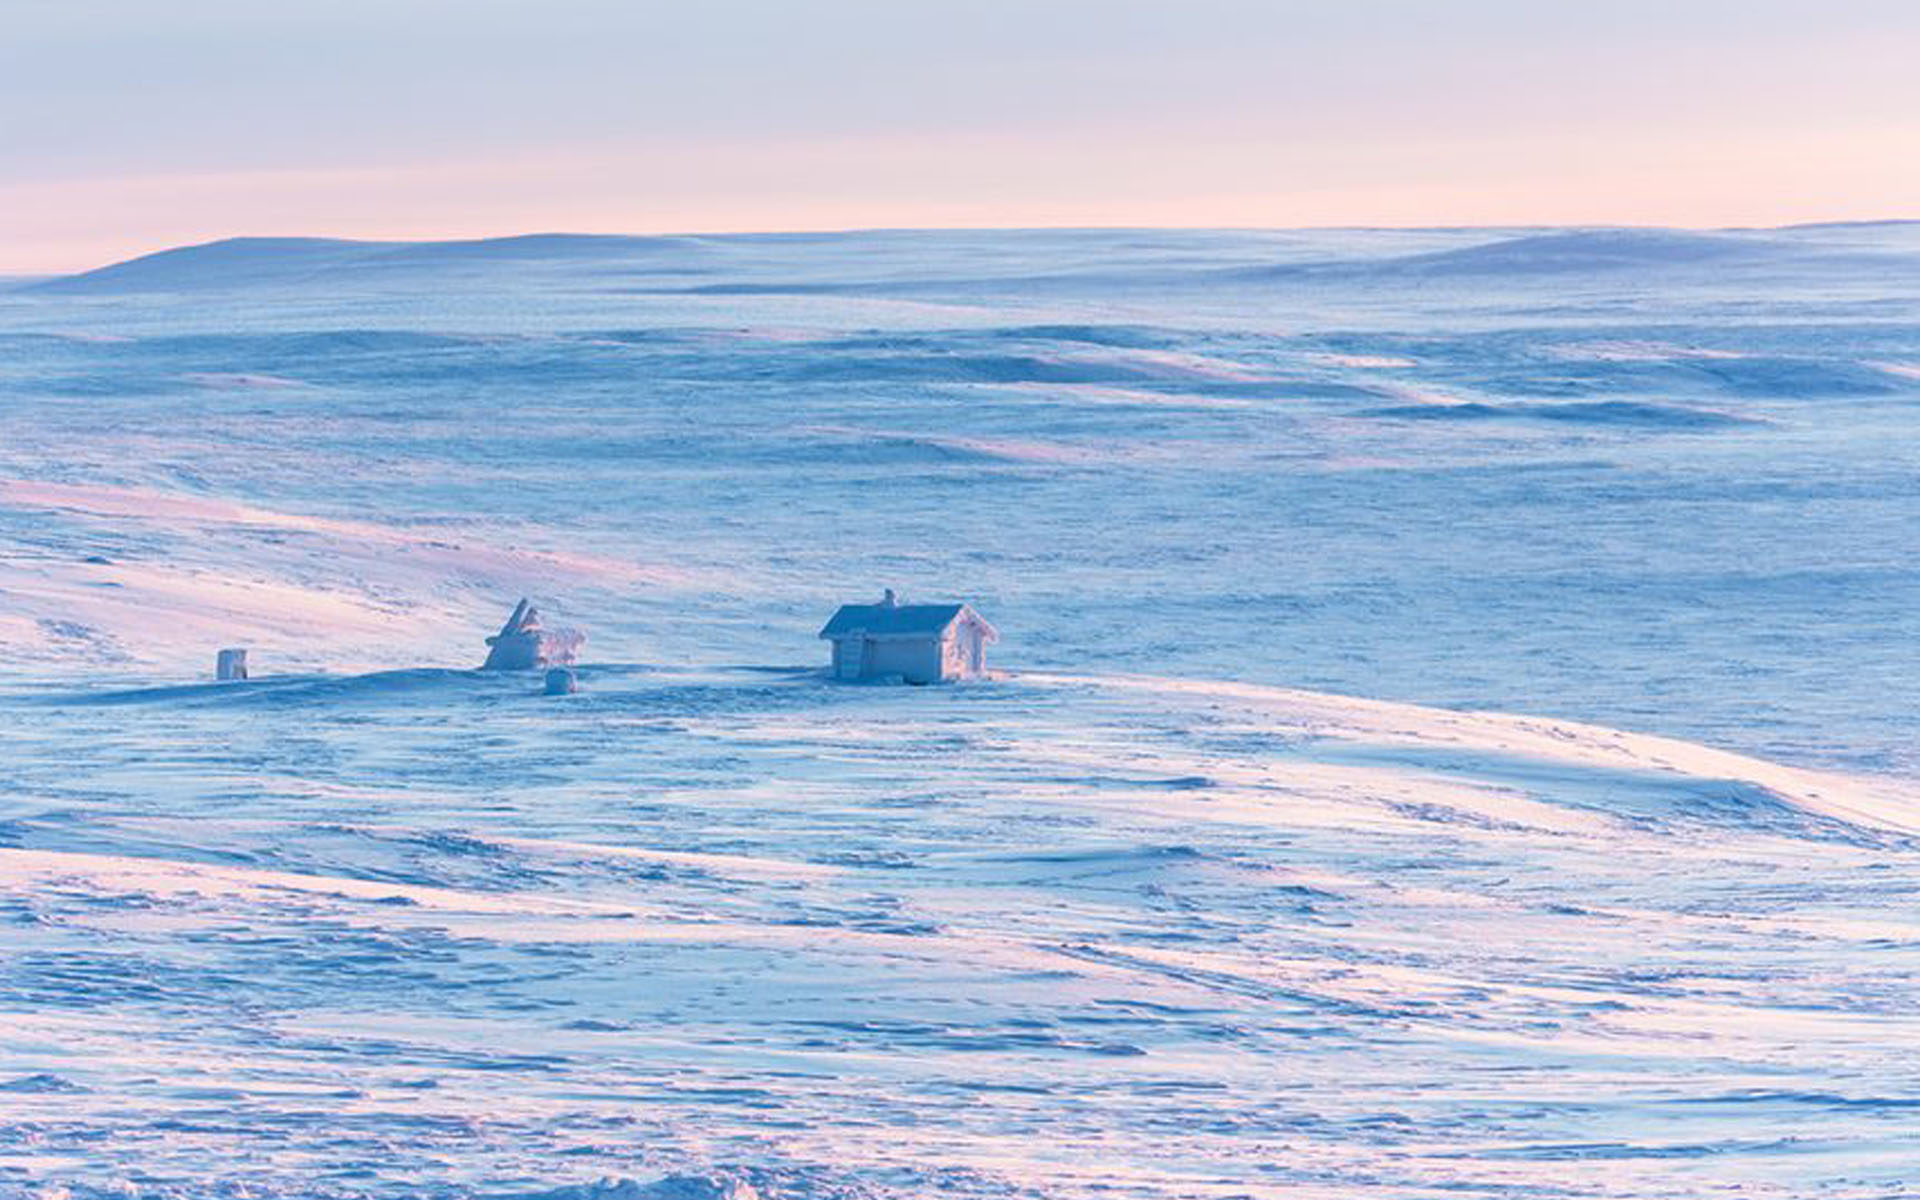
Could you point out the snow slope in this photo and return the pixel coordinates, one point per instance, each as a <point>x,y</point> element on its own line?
<point>434,934</point>
<point>1164,911</point>
<point>1669,492</point>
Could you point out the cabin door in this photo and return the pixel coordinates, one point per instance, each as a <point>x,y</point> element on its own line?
<point>850,657</point>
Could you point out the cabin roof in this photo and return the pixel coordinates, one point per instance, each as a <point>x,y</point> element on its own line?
<point>900,620</point>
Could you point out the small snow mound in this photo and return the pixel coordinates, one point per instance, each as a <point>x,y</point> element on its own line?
<point>239,380</point>
<point>673,1187</point>
<point>41,1084</point>
<point>1621,413</point>
<point>1134,337</point>
<point>701,1187</point>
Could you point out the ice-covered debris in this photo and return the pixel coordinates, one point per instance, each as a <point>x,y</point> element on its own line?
<point>673,1187</point>
<point>522,645</point>
<point>231,664</point>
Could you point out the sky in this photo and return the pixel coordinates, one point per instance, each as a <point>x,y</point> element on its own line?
<point>128,125</point>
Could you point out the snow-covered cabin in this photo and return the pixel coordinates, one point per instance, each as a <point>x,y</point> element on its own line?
<point>523,644</point>
<point>920,643</point>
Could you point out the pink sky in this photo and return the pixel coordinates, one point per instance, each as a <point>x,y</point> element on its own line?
<point>151,126</point>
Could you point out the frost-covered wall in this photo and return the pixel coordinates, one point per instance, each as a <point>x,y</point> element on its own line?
<point>964,653</point>
<point>959,653</point>
<point>917,660</point>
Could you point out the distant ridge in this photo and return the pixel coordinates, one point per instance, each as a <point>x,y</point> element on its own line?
<point>246,261</point>
<point>232,260</point>
<point>1885,223</point>
<point>1163,259</point>
<point>1597,249</point>
<point>1551,255</point>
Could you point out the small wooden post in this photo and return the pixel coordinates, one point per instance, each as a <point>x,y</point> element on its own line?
<point>231,665</point>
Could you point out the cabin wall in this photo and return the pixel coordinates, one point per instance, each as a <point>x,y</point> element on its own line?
<point>847,654</point>
<point>960,655</point>
<point>963,654</point>
<point>918,660</point>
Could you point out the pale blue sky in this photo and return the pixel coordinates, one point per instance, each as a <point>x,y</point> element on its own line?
<point>126,125</point>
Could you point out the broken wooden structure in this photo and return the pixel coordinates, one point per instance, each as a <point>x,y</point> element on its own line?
<point>524,645</point>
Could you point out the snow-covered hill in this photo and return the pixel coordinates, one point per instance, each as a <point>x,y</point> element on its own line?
<point>431,933</point>
<point>1163,911</point>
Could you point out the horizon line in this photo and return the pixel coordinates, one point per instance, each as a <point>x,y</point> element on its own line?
<point>848,231</point>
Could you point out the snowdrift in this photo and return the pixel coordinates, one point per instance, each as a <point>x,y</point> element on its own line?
<point>779,939</point>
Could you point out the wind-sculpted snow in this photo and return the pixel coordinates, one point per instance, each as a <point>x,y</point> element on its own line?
<point>1469,490</point>
<point>1137,920</point>
<point>1604,412</point>
<point>433,934</point>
